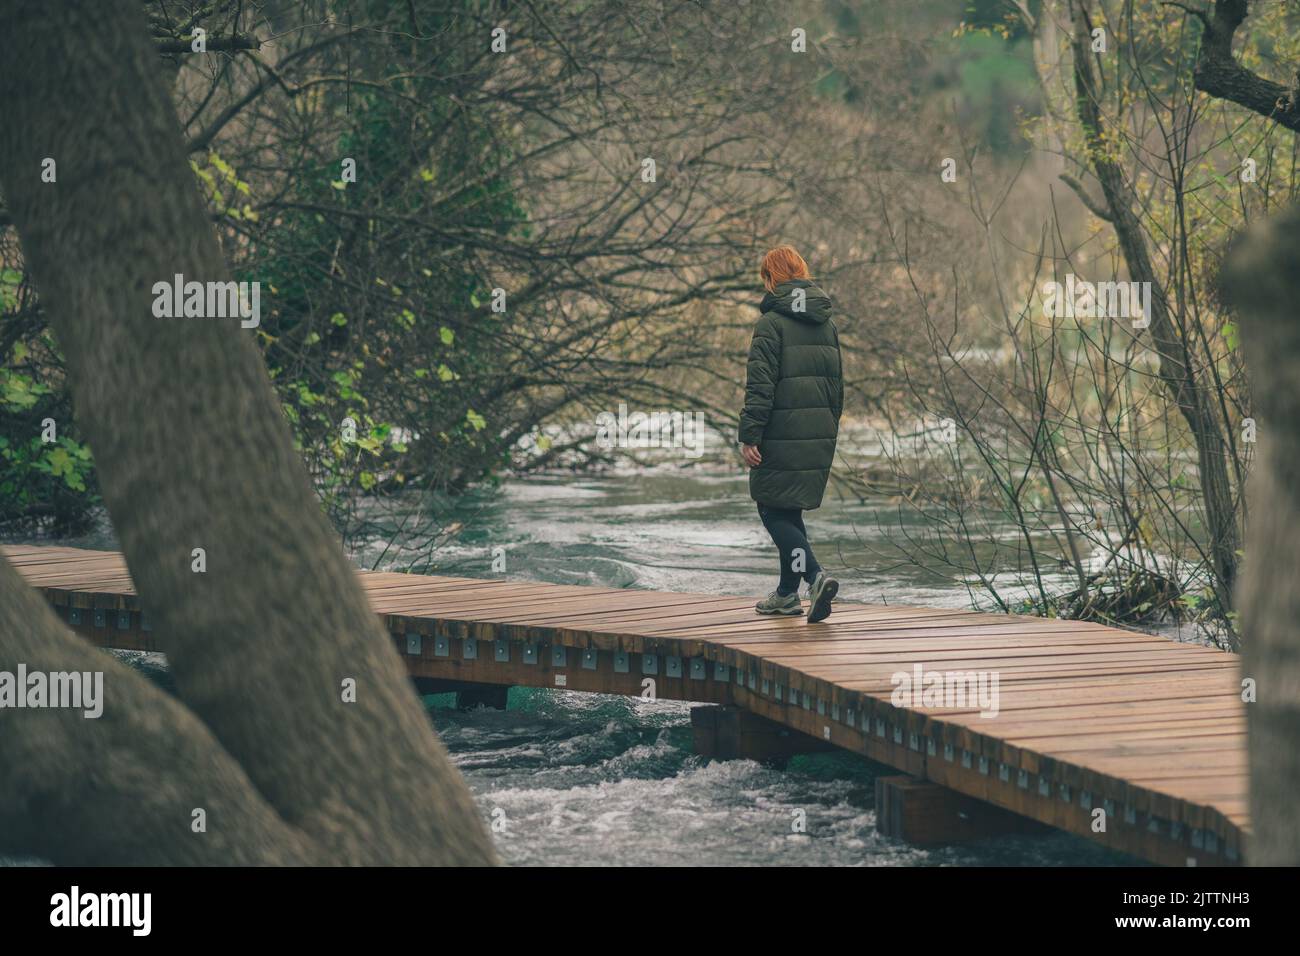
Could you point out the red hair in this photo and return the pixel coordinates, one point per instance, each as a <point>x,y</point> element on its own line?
<point>781,265</point>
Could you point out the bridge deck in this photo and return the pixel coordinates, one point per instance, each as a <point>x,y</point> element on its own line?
<point>1150,731</point>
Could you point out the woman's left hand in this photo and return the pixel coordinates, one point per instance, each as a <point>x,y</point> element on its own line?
<point>751,455</point>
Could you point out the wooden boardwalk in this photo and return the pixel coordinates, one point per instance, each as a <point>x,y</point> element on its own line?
<point>1150,731</point>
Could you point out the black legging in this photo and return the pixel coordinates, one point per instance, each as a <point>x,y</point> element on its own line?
<point>785,525</point>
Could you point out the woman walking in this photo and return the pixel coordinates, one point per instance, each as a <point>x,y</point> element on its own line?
<point>794,394</point>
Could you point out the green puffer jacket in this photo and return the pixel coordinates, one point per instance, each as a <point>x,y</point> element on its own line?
<point>794,394</point>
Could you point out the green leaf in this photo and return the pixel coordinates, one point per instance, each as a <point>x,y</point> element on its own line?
<point>447,335</point>
<point>60,461</point>
<point>475,419</point>
<point>1230,335</point>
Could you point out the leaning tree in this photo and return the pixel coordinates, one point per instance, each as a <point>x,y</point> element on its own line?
<point>193,452</point>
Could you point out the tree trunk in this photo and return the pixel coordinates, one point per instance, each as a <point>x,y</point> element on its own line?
<point>121,788</point>
<point>1219,74</point>
<point>1262,279</point>
<point>193,452</point>
<point>1193,398</point>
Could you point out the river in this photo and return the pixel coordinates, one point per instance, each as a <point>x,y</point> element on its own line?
<point>575,779</point>
<point>586,779</point>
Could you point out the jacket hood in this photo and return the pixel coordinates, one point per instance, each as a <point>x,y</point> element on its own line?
<point>816,303</point>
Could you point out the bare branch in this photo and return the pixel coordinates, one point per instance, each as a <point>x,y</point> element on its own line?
<point>1094,207</point>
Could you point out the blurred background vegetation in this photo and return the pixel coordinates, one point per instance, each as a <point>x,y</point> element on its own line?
<point>501,270</point>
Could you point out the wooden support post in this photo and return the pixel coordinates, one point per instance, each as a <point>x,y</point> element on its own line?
<point>927,814</point>
<point>732,733</point>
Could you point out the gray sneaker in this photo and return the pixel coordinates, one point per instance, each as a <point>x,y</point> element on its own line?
<point>820,595</point>
<point>776,603</point>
